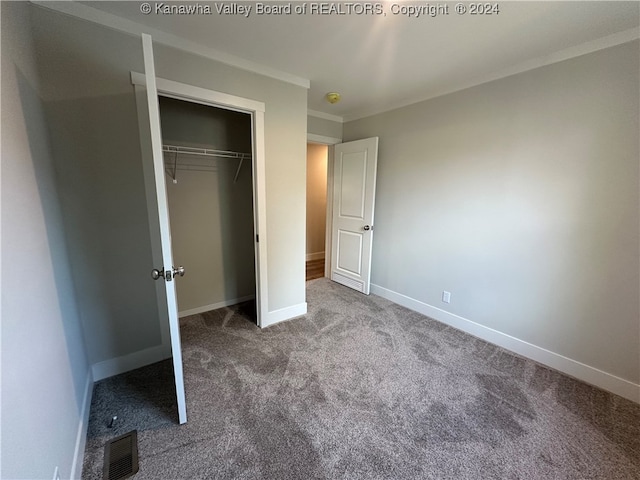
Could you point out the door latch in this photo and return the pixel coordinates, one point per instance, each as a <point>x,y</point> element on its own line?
<point>168,275</point>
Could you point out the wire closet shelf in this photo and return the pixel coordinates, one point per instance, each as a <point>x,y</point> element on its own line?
<point>172,165</point>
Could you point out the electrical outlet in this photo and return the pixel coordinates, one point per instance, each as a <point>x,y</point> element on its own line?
<point>446,297</point>
<point>56,474</point>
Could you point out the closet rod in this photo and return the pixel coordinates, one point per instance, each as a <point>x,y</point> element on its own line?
<point>208,152</point>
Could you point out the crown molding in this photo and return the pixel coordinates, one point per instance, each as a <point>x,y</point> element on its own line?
<point>613,40</point>
<point>325,116</point>
<point>88,13</point>
<point>322,139</point>
<point>91,14</point>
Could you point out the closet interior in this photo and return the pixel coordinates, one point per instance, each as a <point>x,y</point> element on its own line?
<point>208,166</point>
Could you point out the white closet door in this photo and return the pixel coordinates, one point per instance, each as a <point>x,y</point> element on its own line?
<point>167,273</point>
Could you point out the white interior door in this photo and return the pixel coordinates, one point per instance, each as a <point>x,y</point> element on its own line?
<point>165,273</point>
<point>354,185</point>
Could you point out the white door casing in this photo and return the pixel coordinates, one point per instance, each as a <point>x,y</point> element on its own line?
<point>191,93</point>
<point>354,184</point>
<point>165,229</point>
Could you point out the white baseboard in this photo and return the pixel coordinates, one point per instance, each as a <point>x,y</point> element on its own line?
<point>214,306</point>
<point>315,256</point>
<point>118,365</point>
<point>576,369</point>
<point>83,425</point>
<point>277,316</point>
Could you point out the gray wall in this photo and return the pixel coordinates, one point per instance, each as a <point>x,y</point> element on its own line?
<point>91,112</point>
<point>211,215</point>
<point>45,372</point>
<point>195,125</point>
<point>324,127</point>
<point>520,197</point>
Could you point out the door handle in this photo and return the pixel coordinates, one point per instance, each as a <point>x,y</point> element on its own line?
<point>367,228</point>
<point>156,274</point>
<point>168,275</point>
<point>178,271</point>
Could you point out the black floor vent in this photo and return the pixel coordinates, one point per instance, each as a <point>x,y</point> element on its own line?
<point>121,457</point>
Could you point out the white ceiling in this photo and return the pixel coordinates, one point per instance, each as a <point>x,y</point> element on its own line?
<point>384,61</point>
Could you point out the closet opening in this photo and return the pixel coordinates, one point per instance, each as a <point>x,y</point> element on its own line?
<point>316,231</point>
<point>207,154</point>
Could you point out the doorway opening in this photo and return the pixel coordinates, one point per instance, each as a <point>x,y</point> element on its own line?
<point>256,165</point>
<point>350,198</point>
<point>207,158</point>
<point>316,251</point>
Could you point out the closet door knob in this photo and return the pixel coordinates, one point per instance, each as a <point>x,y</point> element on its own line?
<point>156,274</point>
<point>178,271</point>
<point>367,228</point>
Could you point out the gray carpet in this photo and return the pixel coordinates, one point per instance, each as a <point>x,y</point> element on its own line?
<point>360,388</point>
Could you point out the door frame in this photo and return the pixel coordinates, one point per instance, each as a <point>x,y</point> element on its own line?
<point>203,96</point>
<point>330,142</point>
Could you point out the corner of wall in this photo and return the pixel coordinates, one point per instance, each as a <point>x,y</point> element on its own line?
<point>83,426</point>
<point>116,366</point>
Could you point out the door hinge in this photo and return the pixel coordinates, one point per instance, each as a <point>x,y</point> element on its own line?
<point>257,238</point>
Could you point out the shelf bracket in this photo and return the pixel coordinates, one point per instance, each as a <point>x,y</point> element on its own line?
<point>235,179</point>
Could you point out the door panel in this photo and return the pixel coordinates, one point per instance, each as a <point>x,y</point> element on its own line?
<point>165,230</point>
<point>350,252</point>
<point>354,184</point>
<point>352,187</point>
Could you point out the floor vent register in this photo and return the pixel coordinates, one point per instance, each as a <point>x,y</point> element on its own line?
<point>121,456</point>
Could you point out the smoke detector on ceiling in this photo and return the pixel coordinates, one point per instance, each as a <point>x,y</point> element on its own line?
<point>333,97</point>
